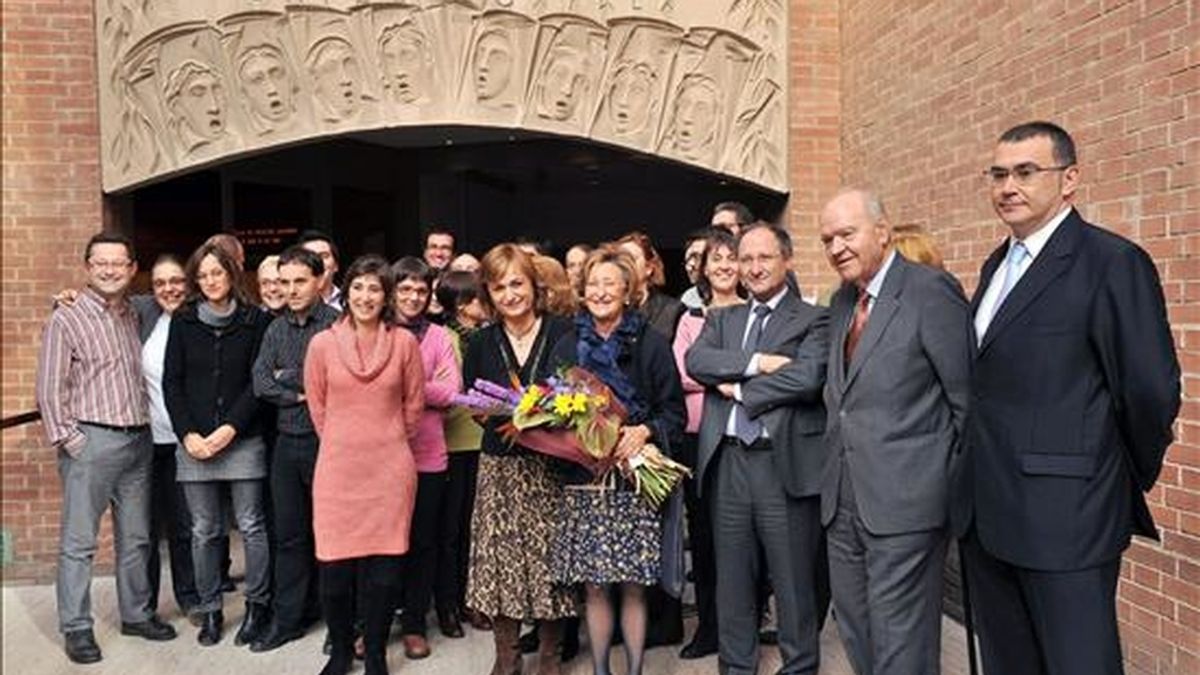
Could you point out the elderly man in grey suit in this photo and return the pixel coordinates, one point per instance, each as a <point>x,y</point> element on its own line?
<point>897,395</point>
<point>763,364</point>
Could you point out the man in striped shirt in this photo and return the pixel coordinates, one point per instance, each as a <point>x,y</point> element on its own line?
<point>93,403</point>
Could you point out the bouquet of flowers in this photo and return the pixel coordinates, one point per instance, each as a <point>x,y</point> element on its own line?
<point>574,416</point>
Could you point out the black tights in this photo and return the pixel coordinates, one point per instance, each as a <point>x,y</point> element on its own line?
<point>600,623</point>
<point>379,578</point>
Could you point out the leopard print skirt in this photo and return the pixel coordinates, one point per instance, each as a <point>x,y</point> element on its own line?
<point>518,505</point>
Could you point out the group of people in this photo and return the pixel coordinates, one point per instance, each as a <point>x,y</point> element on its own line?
<point>836,451</point>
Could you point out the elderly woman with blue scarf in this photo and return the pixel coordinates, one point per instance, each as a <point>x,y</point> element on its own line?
<point>611,538</point>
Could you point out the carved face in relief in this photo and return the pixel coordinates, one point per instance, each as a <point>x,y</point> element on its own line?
<point>564,81</point>
<point>197,102</point>
<point>266,83</point>
<point>696,111</point>
<point>334,69</point>
<point>404,55</point>
<point>493,64</point>
<point>631,97</point>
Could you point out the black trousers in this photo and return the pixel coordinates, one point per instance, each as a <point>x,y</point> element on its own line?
<point>1044,623</point>
<point>421,563</point>
<point>454,536</point>
<point>170,519</point>
<point>369,585</point>
<point>700,537</point>
<point>292,465</point>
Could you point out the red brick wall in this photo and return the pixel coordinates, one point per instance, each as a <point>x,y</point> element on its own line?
<point>814,122</point>
<point>51,205</point>
<point>928,86</point>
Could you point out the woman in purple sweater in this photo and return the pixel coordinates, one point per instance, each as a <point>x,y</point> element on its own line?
<point>443,379</point>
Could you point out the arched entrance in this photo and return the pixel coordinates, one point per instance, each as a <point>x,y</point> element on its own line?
<point>377,192</point>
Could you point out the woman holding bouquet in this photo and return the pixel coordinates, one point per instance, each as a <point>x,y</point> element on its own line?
<point>365,386</point>
<point>519,497</point>
<point>612,537</point>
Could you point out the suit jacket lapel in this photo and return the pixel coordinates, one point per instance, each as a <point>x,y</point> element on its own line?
<point>985,276</point>
<point>1052,262</point>
<point>735,326</point>
<point>841,307</point>
<point>778,321</point>
<point>881,315</point>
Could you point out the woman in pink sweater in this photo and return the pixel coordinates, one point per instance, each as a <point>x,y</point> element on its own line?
<point>365,385</point>
<point>443,379</point>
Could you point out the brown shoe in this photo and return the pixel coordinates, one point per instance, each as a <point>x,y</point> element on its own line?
<point>479,620</point>
<point>415,646</point>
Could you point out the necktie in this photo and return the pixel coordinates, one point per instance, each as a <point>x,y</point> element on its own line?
<point>1016,258</point>
<point>858,325</point>
<point>749,430</point>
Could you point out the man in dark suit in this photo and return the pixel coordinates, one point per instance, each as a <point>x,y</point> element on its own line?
<point>763,364</point>
<point>897,391</point>
<point>1075,386</point>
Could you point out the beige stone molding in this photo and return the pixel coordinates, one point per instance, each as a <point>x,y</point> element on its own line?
<point>188,83</point>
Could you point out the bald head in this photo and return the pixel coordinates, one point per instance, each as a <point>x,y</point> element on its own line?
<point>856,234</point>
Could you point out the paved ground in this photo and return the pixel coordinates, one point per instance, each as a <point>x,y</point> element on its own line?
<point>32,646</point>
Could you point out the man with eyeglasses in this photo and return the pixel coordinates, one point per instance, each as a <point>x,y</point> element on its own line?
<point>1074,389</point>
<point>94,411</point>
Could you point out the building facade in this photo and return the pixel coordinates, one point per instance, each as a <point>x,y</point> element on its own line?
<point>790,98</point>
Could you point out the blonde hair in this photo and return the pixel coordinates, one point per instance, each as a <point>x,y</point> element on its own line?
<point>498,261</point>
<point>635,290</point>
<point>912,242</point>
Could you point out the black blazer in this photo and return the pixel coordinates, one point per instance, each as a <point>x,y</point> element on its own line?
<point>1074,389</point>
<point>206,377</point>
<point>663,312</point>
<point>485,359</point>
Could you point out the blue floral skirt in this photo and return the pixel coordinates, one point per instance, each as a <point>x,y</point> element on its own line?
<point>606,536</point>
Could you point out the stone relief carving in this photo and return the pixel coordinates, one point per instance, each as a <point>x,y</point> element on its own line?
<point>567,71</point>
<point>494,86</point>
<point>266,77</point>
<point>640,54</point>
<point>187,83</point>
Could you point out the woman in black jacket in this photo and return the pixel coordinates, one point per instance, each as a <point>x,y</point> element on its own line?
<point>611,537</point>
<point>207,386</point>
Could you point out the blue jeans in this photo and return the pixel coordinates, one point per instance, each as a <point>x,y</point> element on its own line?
<point>208,529</point>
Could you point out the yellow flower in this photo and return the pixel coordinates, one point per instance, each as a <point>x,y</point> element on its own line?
<point>529,399</point>
<point>562,405</point>
<point>579,402</point>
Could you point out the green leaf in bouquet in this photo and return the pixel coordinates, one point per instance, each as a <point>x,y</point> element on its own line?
<point>598,434</point>
<point>531,419</point>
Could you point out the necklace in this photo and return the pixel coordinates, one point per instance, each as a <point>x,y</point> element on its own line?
<point>527,335</point>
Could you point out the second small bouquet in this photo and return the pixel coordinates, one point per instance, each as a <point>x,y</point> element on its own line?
<point>574,416</point>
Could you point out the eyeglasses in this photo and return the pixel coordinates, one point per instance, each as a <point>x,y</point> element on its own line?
<point>1023,173</point>
<point>109,264</point>
<point>169,281</point>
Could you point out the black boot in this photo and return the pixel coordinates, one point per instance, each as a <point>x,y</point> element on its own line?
<point>254,624</point>
<point>377,623</point>
<point>211,624</point>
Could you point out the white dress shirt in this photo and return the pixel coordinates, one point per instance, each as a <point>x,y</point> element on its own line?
<point>752,366</point>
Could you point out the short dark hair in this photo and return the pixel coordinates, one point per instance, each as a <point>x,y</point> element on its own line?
<point>1064,145</point>
<point>439,229</point>
<point>298,255</point>
<point>317,235</point>
<point>698,235</point>
<point>781,235</point>
<point>374,265</point>
<point>457,288</point>
<point>411,267</point>
<point>109,238</point>
<point>740,211</point>
<point>227,262</point>
<point>164,258</point>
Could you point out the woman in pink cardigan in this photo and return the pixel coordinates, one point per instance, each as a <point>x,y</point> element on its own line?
<point>365,386</point>
<point>443,379</point>
<point>718,286</point>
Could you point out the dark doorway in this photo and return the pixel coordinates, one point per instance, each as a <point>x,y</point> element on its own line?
<point>377,192</point>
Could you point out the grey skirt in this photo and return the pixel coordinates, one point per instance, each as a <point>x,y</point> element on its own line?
<point>244,459</point>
